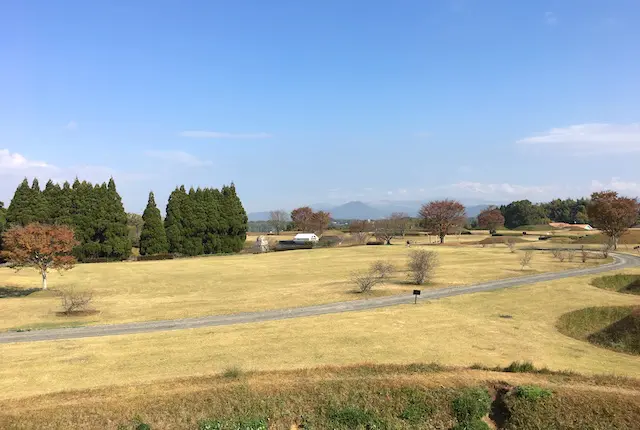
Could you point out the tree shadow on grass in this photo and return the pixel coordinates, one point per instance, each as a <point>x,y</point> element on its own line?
<point>6,292</point>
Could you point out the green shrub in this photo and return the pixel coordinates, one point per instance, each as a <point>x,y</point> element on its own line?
<point>143,426</point>
<point>531,392</point>
<point>210,425</point>
<point>232,373</point>
<point>417,409</point>
<point>472,425</point>
<point>352,417</point>
<point>472,404</point>
<point>520,367</point>
<point>165,256</point>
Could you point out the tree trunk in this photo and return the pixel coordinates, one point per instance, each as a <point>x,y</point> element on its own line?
<point>44,279</point>
<point>614,242</point>
<point>442,237</point>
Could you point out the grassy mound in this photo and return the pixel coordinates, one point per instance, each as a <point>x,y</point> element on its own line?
<point>357,397</point>
<point>501,239</point>
<point>622,335</point>
<point>616,327</point>
<point>535,227</point>
<point>630,237</point>
<point>622,283</point>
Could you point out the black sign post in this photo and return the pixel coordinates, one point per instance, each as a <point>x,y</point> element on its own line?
<point>416,293</point>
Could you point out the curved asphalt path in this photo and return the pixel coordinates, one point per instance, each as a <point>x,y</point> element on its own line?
<point>621,261</point>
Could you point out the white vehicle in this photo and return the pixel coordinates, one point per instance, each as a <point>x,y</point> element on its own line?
<point>305,237</point>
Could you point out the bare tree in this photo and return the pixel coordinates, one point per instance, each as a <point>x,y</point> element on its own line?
<point>583,254</point>
<point>442,216</point>
<point>365,280</point>
<point>605,249</point>
<point>571,255</point>
<point>385,230</point>
<point>278,220</point>
<point>526,258</point>
<point>422,265</point>
<point>511,244</point>
<point>360,238</point>
<point>383,269</point>
<point>402,222</point>
<point>73,302</point>
<point>612,214</point>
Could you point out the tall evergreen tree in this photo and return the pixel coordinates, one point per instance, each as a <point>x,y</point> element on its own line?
<point>236,218</point>
<point>117,234</point>
<point>38,203</point>
<point>51,195</point>
<point>19,211</point>
<point>3,221</point>
<point>173,223</point>
<point>153,239</point>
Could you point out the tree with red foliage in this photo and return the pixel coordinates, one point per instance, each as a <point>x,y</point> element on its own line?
<point>302,217</point>
<point>441,216</point>
<point>491,219</point>
<point>40,246</point>
<point>612,214</point>
<point>320,221</point>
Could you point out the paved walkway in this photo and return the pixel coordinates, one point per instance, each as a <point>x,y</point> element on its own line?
<point>621,261</point>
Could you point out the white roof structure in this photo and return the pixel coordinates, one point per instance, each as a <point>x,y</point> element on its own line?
<point>306,237</point>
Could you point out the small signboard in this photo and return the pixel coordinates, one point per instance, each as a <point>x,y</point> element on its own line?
<point>416,293</point>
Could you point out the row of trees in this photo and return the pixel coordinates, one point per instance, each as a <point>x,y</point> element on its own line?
<point>200,221</point>
<point>94,212</point>
<point>523,212</point>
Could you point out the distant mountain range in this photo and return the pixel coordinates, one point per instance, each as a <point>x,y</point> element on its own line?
<point>371,210</point>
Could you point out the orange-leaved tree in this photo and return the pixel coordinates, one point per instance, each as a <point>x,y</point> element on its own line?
<point>442,216</point>
<point>43,247</point>
<point>491,219</point>
<point>612,214</point>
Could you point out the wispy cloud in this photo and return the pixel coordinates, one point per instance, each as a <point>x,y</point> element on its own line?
<point>550,18</point>
<point>590,139</point>
<point>71,126</point>
<point>14,162</point>
<point>503,189</point>
<point>179,157</point>
<point>203,134</point>
<point>617,184</point>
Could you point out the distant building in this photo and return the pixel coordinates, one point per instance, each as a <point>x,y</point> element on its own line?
<point>305,238</point>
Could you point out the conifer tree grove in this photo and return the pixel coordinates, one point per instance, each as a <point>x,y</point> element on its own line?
<point>205,220</point>
<point>95,213</point>
<point>153,239</point>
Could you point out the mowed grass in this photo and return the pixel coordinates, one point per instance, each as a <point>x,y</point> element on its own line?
<point>491,329</point>
<point>170,289</point>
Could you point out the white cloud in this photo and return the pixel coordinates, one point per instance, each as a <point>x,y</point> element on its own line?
<point>179,157</point>
<point>550,18</point>
<point>203,134</point>
<point>617,184</point>
<point>71,126</point>
<point>502,190</point>
<point>590,139</point>
<point>12,161</point>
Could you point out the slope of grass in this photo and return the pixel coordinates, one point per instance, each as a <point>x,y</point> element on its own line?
<point>360,397</point>
<point>170,289</point>
<point>491,329</point>
<point>621,282</point>
<point>632,236</point>
<point>615,327</point>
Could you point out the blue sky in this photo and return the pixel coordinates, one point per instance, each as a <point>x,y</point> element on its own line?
<point>304,102</point>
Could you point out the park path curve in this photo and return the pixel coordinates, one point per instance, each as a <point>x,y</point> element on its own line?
<point>621,261</point>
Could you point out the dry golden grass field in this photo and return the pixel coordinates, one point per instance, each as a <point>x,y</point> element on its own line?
<point>493,328</point>
<point>170,289</point>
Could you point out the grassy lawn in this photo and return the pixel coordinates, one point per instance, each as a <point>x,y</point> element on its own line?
<point>454,331</point>
<point>170,289</point>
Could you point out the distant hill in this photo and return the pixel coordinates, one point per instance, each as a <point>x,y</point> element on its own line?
<point>373,210</point>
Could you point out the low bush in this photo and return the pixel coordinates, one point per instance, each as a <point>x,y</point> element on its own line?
<point>352,417</point>
<point>365,281</point>
<point>210,425</point>
<point>471,405</point>
<point>232,373</point>
<point>154,257</point>
<point>422,265</point>
<point>520,367</point>
<point>472,425</point>
<point>383,269</point>
<point>75,302</point>
<point>329,241</point>
<point>532,392</point>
